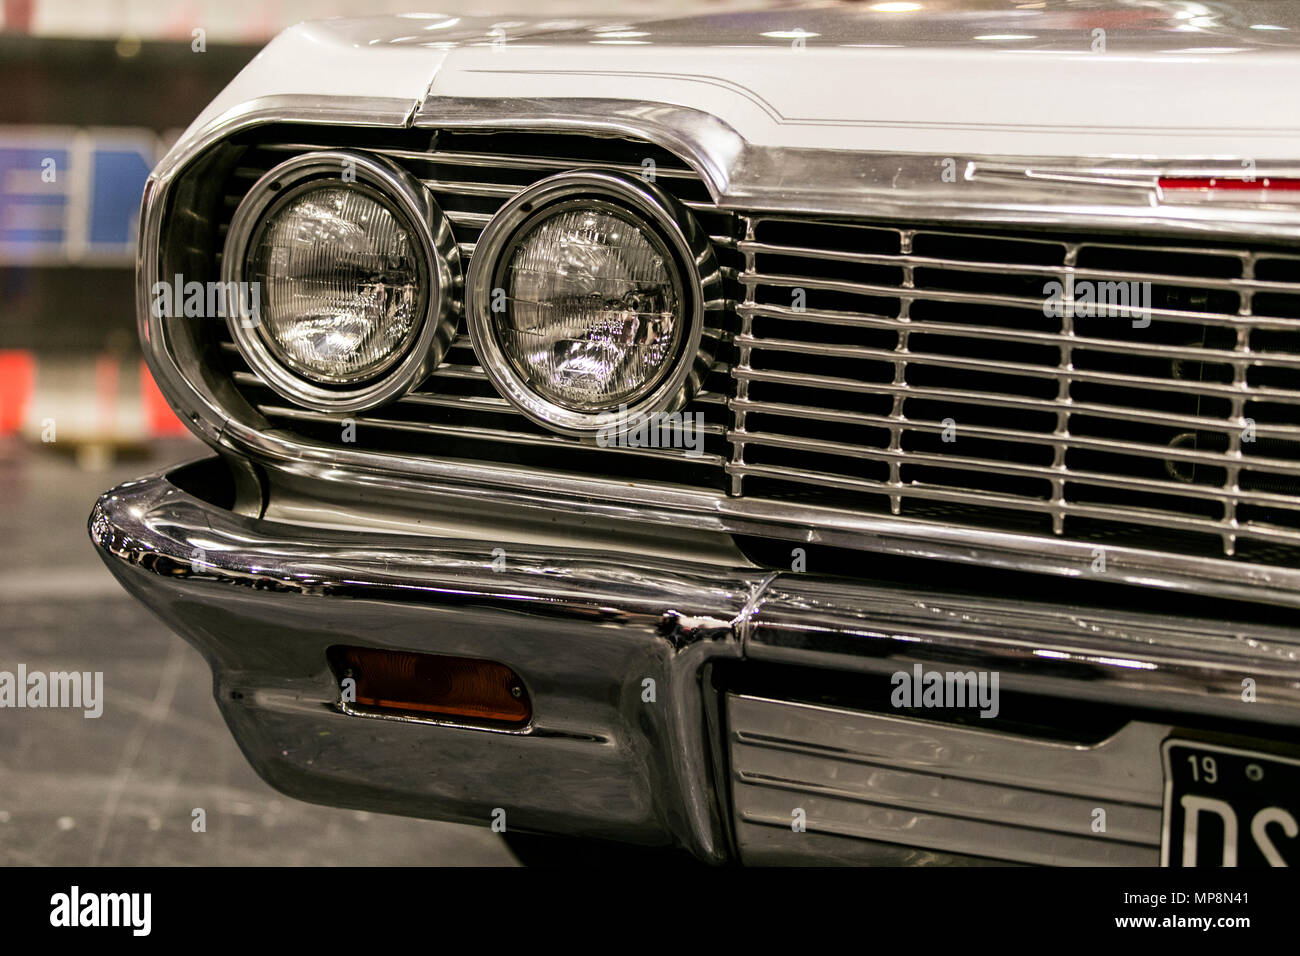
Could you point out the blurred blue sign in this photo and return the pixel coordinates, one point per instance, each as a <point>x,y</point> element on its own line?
<point>72,195</point>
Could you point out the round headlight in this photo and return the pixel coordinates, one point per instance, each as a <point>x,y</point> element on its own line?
<point>342,282</point>
<point>587,303</point>
<point>592,307</point>
<point>352,270</point>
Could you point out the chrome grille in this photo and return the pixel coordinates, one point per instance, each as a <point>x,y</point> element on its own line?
<point>914,371</point>
<point>456,412</point>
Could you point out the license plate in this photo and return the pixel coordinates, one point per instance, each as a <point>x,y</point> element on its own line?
<point>1229,807</point>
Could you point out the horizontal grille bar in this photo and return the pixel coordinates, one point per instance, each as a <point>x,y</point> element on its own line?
<point>459,430</point>
<point>1144,517</point>
<point>1000,268</point>
<point>1155,350</point>
<point>911,293</point>
<point>997,401</point>
<point>993,365</point>
<point>1162,453</point>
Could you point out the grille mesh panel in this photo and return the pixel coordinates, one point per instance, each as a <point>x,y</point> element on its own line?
<point>916,371</point>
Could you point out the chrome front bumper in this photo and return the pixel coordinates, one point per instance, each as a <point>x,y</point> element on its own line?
<point>707,764</point>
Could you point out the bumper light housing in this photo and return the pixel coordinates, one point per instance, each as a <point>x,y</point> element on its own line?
<point>429,686</point>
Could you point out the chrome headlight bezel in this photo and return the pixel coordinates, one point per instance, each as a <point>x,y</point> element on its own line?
<point>697,276</point>
<point>439,256</point>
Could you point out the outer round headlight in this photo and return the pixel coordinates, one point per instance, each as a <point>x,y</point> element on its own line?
<point>592,299</point>
<point>353,271</point>
<point>342,282</point>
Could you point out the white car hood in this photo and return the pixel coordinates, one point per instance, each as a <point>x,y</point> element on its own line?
<point>1145,78</point>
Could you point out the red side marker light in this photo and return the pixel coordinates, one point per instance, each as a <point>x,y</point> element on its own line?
<point>1258,184</point>
<point>432,685</point>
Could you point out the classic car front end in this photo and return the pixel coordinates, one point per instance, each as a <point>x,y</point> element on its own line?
<point>615,424</point>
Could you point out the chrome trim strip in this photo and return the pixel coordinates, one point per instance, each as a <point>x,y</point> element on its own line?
<point>1018,402</point>
<point>431,721</point>
<point>1004,334</point>
<point>1106,192</point>
<point>992,466</point>
<point>984,298</point>
<point>890,356</point>
<point>1046,438</point>
<point>1156,662</point>
<point>1015,402</point>
<point>496,161</point>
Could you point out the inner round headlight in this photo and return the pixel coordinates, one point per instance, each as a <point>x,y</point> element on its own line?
<point>594,299</point>
<point>592,310</point>
<point>341,282</point>
<point>347,277</point>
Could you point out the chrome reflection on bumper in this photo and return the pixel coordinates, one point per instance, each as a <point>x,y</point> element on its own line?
<point>264,600</point>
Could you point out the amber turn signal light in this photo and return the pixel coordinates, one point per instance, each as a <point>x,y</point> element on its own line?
<point>431,685</point>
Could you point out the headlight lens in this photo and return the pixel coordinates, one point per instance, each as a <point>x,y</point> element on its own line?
<point>593,300</point>
<point>342,282</point>
<point>593,307</point>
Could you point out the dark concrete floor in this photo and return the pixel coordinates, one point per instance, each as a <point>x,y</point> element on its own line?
<point>121,789</point>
